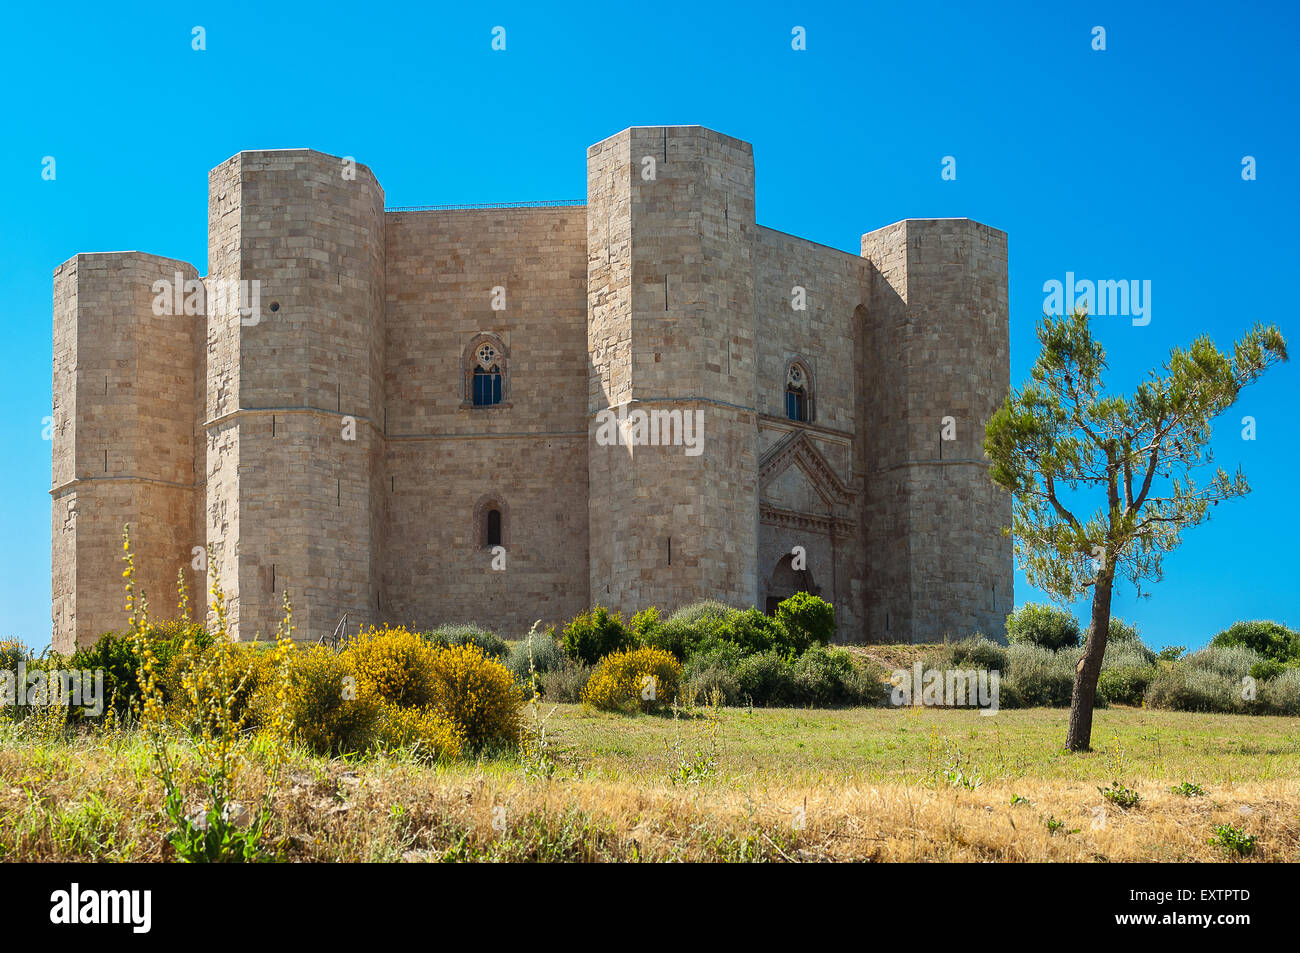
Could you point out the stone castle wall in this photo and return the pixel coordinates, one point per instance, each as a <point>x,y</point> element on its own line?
<point>672,321</point>
<point>330,447</point>
<point>447,461</point>
<point>123,438</point>
<point>937,346</point>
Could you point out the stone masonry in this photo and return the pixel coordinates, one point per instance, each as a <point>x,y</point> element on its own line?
<point>310,411</point>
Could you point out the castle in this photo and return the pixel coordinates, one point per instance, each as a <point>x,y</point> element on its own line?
<point>507,414</point>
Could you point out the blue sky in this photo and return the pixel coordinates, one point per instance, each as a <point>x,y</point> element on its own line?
<point>1124,163</point>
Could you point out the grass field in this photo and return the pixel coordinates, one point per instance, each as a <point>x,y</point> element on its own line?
<point>731,784</point>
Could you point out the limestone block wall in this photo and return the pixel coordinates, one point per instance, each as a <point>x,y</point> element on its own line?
<point>834,286</point>
<point>295,392</point>
<point>123,438</point>
<point>323,439</point>
<point>609,353</point>
<point>448,461</point>
<point>220,420</point>
<point>937,345</point>
<point>672,329</point>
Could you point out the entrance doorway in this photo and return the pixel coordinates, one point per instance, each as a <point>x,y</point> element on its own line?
<point>786,581</point>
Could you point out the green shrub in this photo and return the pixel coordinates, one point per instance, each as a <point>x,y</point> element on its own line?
<point>1183,686</point>
<point>1127,655</point>
<point>699,627</point>
<point>467,633</point>
<point>825,677</point>
<point>1263,670</point>
<point>1230,662</point>
<point>546,655</point>
<point>117,656</point>
<point>752,632</point>
<point>565,682</point>
<point>698,612</point>
<point>1125,685</point>
<point>592,635</point>
<point>1037,677</point>
<point>1044,626</point>
<point>1120,631</point>
<point>1281,694</point>
<point>645,625</point>
<point>1272,640</point>
<point>713,669</point>
<point>765,679</point>
<point>1124,640</point>
<point>680,638</point>
<point>976,652</point>
<point>807,620</point>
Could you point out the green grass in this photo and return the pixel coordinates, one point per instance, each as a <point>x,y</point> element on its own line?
<point>877,784</point>
<point>881,745</point>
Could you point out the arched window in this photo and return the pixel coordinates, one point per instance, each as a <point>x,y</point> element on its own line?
<point>487,386</point>
<point>486,379</point>
<point>490,526</point>
<point>798,393</point>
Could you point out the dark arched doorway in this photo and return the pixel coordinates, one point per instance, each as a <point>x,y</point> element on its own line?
<point>786,581</point>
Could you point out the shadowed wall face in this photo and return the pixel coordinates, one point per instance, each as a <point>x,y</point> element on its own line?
<point>936,350</point>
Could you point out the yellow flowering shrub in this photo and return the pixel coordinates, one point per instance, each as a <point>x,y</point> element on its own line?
<point>252,666</point>
<point>12,652</point>
<point>623,681</point>
<point>479,694</point>
<point>430,735</point>
<point>395,664</point>
<point>332,711</point>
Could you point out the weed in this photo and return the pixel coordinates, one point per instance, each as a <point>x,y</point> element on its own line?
<point>1233,840</point>
<point>1120,796</point>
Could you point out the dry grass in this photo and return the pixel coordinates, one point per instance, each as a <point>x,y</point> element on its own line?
<point>895,655</point>
<point>863,784</point>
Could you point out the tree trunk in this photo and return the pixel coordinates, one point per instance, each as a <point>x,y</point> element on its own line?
<point>1086,673</point>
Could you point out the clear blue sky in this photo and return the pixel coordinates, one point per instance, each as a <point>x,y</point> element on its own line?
<point>1117,164</point>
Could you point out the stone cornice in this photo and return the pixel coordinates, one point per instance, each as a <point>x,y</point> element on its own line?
<point>810,522</point>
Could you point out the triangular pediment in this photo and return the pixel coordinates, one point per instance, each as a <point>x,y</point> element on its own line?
<point>793,475</point>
